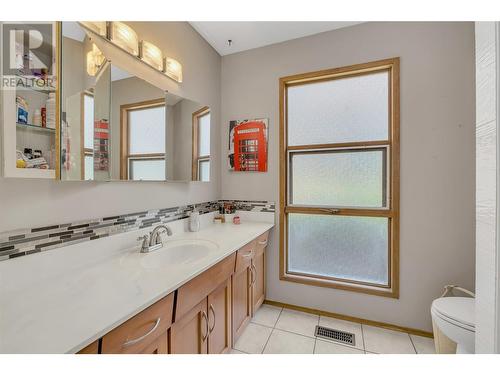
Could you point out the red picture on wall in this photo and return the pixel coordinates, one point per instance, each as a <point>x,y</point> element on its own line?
<point>248,145</point>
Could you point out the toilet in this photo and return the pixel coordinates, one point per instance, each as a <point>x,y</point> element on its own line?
<point>454,316</point>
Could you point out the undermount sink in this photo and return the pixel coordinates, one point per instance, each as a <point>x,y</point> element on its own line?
<point>178,252</point>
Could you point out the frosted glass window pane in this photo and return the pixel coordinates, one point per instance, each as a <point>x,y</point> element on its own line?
<point>342,110</point>
<point>147,131</point>
<point>88,121</point>
<point>341,178</point>
<point>344,247</point>
<point>89,167</point>
<point>204,170</point>
<point>204,135</point>
<point>147,169</point>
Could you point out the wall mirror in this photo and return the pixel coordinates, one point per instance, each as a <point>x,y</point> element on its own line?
<point>117,126</point>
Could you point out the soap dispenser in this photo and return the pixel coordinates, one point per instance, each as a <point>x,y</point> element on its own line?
<point>194,221</point>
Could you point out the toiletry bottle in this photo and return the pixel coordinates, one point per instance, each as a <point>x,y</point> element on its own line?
<point>44,117</point>
<point>37,118</point>
<point>194,221</point>
<point>21,110</point>
<point>51,111</point>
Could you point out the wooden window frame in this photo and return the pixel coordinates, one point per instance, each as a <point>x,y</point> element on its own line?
<point>196,159</point>
<point>124,135</point>
<point>391,211</point>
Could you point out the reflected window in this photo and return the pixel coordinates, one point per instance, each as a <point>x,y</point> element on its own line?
<point>201,145</point>
<point>143,141</point>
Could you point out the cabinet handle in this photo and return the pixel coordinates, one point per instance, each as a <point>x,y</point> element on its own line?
<point>331,211</point>
<point>213,314</point>
<point>246,255</point>
<point>263,243</point>
<point>255,274</point>
<point>252,276</point>
<point>135,341</point>
<point>204,316</point>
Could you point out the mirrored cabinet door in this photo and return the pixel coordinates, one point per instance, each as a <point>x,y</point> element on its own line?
<point>118,126</point>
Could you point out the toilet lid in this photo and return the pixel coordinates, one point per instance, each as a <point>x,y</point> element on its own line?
<point>459,309</point>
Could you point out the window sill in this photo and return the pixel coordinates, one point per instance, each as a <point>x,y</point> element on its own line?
<point>392,292</point>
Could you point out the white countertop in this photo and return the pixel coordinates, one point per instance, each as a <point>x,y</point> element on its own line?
<point>61,300</point>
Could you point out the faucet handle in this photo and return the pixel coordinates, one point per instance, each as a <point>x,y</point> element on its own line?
<point>145,241</point>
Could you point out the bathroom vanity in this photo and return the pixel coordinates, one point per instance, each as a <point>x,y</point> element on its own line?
<point>210,310</point>
<point>194,295</point>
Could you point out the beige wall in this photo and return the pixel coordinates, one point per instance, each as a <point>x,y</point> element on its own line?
<point>437,154</point>
<point>31,203</point>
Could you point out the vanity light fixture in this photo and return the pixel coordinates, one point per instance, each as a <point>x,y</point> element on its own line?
<point>95,59</point>
<point>125,37</point>
<point>173,69</point>
<point>151,55</point>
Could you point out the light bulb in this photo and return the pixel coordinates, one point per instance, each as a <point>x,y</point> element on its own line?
<point>152,55</point>
<point>97,26</point>
<point>173,69</point>
<point>95,58</point>
<point>125,37</point>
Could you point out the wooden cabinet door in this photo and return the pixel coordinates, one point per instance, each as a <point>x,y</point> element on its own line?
<point>259,279</point>
<point>259,272</point>
<point>158,346</point>
<point>242,303</point>
<point>219,319</point>
<point>189,334</point>
<point>90,349</point>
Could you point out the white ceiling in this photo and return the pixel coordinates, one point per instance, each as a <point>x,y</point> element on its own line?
<point>117,73</point>
<point>248,35</point>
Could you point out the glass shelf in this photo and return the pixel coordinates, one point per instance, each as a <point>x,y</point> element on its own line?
<point>35,127</point>
<point>34,173</point>
<point>31,89</point>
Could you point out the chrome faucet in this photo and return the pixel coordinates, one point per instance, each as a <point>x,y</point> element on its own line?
<point>153,240</point>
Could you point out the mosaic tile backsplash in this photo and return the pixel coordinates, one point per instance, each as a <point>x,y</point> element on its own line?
<point>17,243</point>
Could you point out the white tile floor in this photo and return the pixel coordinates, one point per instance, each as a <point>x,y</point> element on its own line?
<point>275,330</point>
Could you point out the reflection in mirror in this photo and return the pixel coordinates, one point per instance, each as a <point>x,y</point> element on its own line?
<point>117,126</point>
<point>143,132</point>
<point>201,145</point>
<point>138,128</point>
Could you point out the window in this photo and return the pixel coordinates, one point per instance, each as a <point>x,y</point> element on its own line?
<point>339,178</point>
<point>87,154</point>
<point>143,141</point>
<point>201,145</point>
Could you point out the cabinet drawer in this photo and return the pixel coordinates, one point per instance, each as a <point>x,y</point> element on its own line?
<point>244,256</point>
<point>191,293</point>
<point>139,332</point>
<point>261,243</point>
